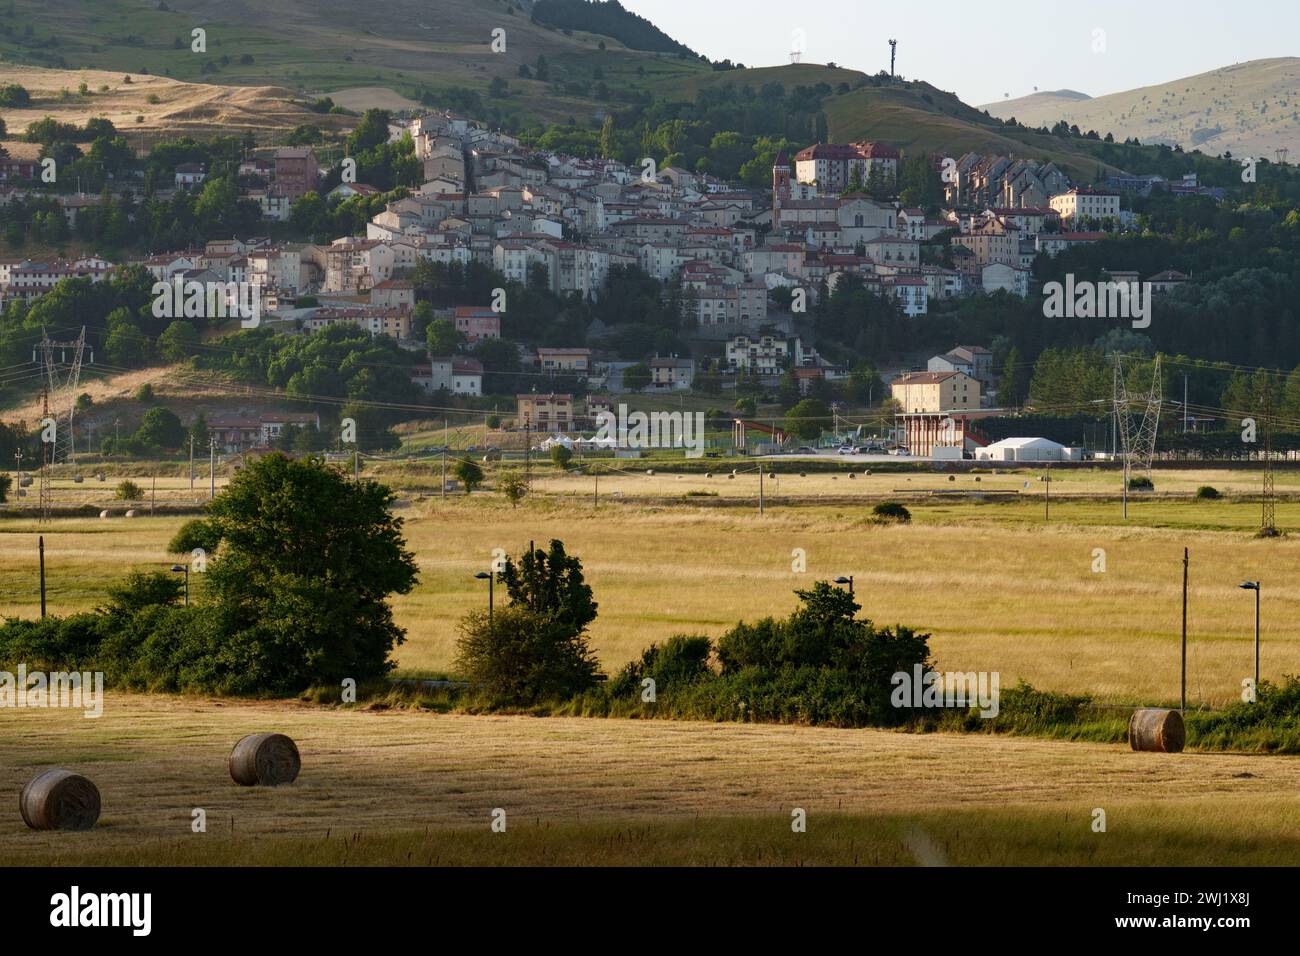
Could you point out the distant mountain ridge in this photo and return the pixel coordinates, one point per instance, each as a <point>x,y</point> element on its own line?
<point>1250,108</point>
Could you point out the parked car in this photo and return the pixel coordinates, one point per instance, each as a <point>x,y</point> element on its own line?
<point>807,450</point>
<point>900,450</point>
<point>848,450</point>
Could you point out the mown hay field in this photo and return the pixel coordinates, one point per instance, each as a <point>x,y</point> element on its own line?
<point>420,788</point>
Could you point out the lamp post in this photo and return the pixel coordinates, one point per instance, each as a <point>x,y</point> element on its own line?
<point>490,578</point>
<point>1254,586</point>
<point>849,581</point>
<point>178,569</point>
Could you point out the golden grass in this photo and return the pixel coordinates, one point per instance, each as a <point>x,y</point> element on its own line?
<point>401,786</point>
<point>195,109</point>
<point>997,589</point>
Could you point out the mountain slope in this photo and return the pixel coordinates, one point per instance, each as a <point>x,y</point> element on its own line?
<point>1250,108</point>
<point>320,46</point>
<point>915,116</point>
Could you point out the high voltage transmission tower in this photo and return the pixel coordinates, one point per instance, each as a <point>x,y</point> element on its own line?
<point>1137,440</point>
<point>60,376</point>
<point>60,364</point>
<point>1267,523</point>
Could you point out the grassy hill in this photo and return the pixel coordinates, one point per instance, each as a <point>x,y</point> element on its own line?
<point>148,107</point>
<point>917,117</point>
<point>264,59</point>
<point>1249,108</point>
<point>323,46</point>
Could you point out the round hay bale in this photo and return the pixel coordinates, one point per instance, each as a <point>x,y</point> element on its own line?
<point>731,476</point>
<point>104,513</point>
<point>708,474</point>
<point>852,475</point>
<point>803,474</point>
<point>867,473</point>
<point>267,760</point>
<point>130,513</point>
<point>977,478</point>
<point>1156,729</point>
<point>59,800</point>
<point>952,477</point>
<point>650,472</point>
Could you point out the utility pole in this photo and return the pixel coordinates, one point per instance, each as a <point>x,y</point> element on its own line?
<point>1047,494</point>
<point>1184,403</point>
<point>595,495</point>
<point>444,474</point>
<point>893,50</point>
<point>528,454</point>
<point>153,493</point>
<point>1183,706</point>
<point>212,468</point>
<point>40,544</point>
<point>760,487</point>
<point>191,464</point>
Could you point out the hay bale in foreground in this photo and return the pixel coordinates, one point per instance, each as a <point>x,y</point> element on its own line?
<point>59,800</point>
<point>267,760</point>
<point>1158,730</point>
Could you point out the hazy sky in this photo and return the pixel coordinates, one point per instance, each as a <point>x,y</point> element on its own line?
<point>981,51</point>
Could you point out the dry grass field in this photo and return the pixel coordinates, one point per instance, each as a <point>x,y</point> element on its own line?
<point>150,107</point>
<point>402,786</point>
<point>997,588</point>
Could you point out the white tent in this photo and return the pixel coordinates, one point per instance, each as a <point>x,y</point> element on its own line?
<point>1023,449</point>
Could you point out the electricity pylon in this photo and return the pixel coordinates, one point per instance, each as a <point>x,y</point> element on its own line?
<point>61,365</point>
<point>1267,522</point>
<point>1138,444</point>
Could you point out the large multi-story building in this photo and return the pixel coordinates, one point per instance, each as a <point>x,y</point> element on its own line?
<point>830,165</point>
<point>544,413</point>
<point>297,172</point>
<point>1078,205</point>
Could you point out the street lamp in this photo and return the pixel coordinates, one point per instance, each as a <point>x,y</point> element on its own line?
<point>849,581</point>
<point>490,578</point>
<point>177,569</point>
<point>1254,586</point>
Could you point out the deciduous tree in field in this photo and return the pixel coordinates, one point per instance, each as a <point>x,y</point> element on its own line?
<point>307,561</point>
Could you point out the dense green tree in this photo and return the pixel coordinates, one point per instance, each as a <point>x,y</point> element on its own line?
<point>307,561</point>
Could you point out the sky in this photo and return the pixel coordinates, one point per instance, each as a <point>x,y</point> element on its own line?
<point>982,51</point>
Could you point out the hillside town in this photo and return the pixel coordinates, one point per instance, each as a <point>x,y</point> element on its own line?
<point>744,266</point>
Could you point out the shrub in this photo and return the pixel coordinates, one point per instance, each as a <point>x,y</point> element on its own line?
<point>679,661</point>
<point>128,490</point>
<point>144,393</point>
<point>891,511</point>
<point>470,475</point>
<point>514,486</point>
<point>537,647</point>
<point>6,482</point>
<point>521,655</point>
<point>1140,483</point>
<point>561,456</point>
<point>196,533</point>
<point>1208,492</point>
